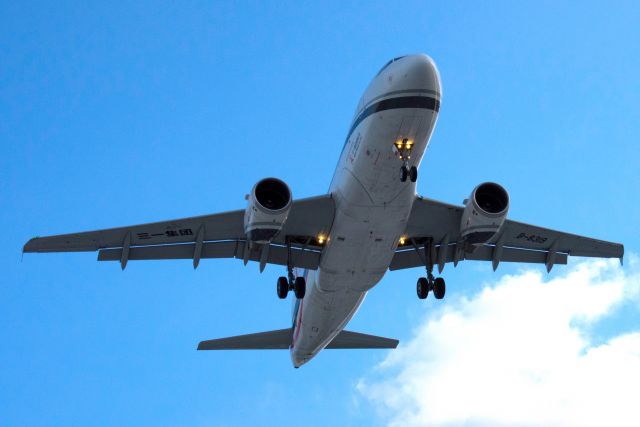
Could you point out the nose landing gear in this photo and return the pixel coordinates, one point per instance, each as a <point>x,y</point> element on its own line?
<point>403,149</point>
<point>406,172</point>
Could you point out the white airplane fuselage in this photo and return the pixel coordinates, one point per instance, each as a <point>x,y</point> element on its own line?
<point>372,203</point>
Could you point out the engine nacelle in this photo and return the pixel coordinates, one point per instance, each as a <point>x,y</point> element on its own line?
<point>484,213</point>
<point>267,211</point>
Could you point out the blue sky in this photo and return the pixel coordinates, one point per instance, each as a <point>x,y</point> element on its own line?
<point>114,115</point>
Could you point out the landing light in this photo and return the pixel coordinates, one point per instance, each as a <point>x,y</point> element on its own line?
<point>321,239</point>
<point>402,240</point>
<point>404,144</point>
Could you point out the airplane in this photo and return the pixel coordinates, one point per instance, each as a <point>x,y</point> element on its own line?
<point>338,246</point>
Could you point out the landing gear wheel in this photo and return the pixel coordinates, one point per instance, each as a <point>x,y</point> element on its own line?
<point>439,288</point>
<point>422,288</point>
<point>413,174</point>
<point>404,172</point>
<point>299,287</point>
<point>282,287</point>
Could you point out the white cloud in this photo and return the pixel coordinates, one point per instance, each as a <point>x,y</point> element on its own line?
<point>519,353</point>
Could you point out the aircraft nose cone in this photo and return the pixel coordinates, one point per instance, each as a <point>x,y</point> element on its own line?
<point>418,72</point>
<point>404,74</point>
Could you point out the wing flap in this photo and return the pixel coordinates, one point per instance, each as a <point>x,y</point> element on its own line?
<point>485,253</point>
<point>185,251</point>
<point>309,259</point>
<point>272,340</point>
<point>409,258</point>
<point>348,339</point>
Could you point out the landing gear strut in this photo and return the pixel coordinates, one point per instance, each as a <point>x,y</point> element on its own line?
<point>296,284</point>
<point>430,283</point>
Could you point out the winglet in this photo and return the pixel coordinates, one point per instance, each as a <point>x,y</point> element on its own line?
<point>28,247</point>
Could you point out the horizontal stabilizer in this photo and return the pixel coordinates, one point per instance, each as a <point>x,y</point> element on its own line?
<point>271,340</point>
<point>281,340</point>
<point>348,339</point>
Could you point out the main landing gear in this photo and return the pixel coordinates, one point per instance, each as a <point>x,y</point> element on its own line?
<point>403,148</point>
<point>430,283</point>
<point>296,284</point>
<point>425,285</point>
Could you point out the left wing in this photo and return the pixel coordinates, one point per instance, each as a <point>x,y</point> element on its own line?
<point>208,236</point>
<point>515,242</point>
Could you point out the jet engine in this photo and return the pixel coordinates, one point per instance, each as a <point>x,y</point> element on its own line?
<point>268,208</point>
<point>484,213</point>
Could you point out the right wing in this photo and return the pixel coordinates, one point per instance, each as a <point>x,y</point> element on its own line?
<point>516,241</point>
<point>208,236</point>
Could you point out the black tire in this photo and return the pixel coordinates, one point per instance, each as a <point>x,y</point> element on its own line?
<point>413,174</point>
<point>283,287</point>
<point>299,287</point>
<point>439,288</point>
<point>422,288</point>
<point>403,173</point>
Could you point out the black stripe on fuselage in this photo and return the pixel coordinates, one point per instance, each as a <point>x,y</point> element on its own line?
<point>424,102</point>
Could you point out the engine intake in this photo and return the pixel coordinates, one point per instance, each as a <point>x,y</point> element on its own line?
<point>268,208</point>
<point>484,213</point>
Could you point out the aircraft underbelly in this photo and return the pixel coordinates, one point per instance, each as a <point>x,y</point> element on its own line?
<point>372,209</point>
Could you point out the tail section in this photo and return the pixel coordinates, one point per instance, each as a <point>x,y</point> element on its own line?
<point>281,340</point>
